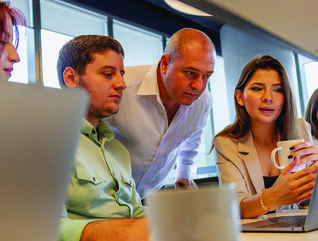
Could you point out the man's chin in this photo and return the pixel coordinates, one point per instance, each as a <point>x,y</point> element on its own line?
<point>115,112</point>
<point>186,102</point>
<point>110,113</point>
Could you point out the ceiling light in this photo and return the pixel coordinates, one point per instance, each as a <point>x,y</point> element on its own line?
<point>185,8</point>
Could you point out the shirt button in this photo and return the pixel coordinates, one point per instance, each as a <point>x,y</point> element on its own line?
<point>93,131</point>
<point>146,178</point>
<point>94,179</point>
<point>156,160</point>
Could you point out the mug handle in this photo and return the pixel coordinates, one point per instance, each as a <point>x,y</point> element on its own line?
<point>273,158</point>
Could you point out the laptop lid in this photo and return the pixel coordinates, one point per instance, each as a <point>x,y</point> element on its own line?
<point>39,130</point>
<point>290,223</point>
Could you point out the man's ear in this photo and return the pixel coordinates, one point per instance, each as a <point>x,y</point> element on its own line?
<point>239,97</point>
<point>164,63</point>
<point>70,77</point>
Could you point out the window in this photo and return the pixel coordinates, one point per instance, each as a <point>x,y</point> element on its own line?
<point>142,47</point>
<point>57,29</point>
<point>218,119</point>
<point>71,20</point>
<point>311,72</point>
<point>308,81</point>
<point>51,44</point>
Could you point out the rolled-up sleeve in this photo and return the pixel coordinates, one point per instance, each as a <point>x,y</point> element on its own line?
<point>71,229</point>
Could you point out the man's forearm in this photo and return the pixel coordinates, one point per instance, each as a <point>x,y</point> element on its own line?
<point>117,229</point>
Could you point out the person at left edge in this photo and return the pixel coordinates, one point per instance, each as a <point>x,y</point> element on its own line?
<point>10,18</point>
<point>102,202</point>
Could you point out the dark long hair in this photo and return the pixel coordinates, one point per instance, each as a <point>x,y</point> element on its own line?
<point>311,113</point>
<point>286,121</point>
<point>16,17</point>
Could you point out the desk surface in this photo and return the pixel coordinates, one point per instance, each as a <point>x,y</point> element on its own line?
<point>257,236</point>
<point>310,236</point>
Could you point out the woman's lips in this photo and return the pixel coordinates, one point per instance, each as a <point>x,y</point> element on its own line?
<point>266,109</point>
<point>8,70</point>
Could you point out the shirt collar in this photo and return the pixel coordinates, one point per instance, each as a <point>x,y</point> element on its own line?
<point>149,85</point>
<point>103,131</point>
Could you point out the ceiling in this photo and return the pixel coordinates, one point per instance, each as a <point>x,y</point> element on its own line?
<point>155,15</point>
<point>207,22</point>
<point>293,25</point>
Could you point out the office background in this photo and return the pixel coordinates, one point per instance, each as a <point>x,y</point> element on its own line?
<point>143,27</point>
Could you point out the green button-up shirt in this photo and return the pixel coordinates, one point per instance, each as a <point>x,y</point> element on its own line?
<point>101,185</point>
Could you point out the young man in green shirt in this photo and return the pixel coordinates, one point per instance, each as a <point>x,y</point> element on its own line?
<point>102,200</point>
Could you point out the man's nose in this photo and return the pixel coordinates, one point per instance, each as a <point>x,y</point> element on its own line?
<point>197,83</point>
<point>120,82</point>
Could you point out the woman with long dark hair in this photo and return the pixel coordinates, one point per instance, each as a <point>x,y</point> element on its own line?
<point>265,114</point>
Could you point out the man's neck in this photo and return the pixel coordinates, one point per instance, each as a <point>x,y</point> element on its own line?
<point>93,121</point>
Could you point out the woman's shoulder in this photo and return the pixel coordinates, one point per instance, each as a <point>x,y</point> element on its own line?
<point>222,141</point>
<point>228,149</point>
<point>302,122</point>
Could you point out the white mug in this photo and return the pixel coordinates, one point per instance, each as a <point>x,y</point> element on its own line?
<point>283,153</point>
<point>200,215</point>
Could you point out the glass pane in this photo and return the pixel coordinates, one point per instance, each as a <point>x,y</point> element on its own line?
<point>220,99</point>
<point>311,72</point>
<point>51,44</point>
<point>71,20</point>
<point>205,166</point>
<point>25,7</point>
<point>141,47</point>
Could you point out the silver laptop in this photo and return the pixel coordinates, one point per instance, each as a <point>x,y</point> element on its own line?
<point>297,223</point>
<point>39,130</point>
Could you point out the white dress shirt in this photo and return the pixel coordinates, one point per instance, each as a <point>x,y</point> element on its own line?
<point>142,126</point>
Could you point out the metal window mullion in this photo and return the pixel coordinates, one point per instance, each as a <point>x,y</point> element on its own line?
<point>37,41</point>
<point>300,84</point>
<point>110,27</point>
<point>164,43</point>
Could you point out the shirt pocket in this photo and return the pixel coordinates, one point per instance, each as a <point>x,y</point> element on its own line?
<point>88,189</point>
<point>89,175</point>
<point>127,190</point>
